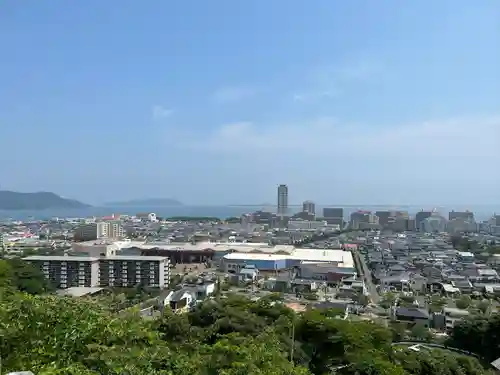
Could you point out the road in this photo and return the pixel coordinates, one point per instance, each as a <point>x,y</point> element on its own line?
<point>367,276</point>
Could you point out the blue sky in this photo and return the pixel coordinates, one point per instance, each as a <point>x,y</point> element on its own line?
<point>214,102</point>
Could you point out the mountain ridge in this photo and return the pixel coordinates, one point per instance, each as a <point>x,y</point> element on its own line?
<point>13,200</point>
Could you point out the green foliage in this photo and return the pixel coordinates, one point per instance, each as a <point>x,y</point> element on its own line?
<point>52,335</point>
<point>436,361</point>
<point>478,334</point>
<point>23,276</point>
<point>463,302</point>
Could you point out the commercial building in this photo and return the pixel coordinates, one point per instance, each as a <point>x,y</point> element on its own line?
<point>421,216</point>
<point>494,221</point>
<point>99,230</point>
<point>362,220</point>
<point>95,248</point>
<point>68,271</point>
<point>464,215</point>
<point>121,271</point>
<point>308,225</point>
<point>433,224</point>
<point>384,217</point>
<point>234,262</point>
<point>282,200</point>
<point>334,216</point>
<point>309,207</point>
<point>458,225</point>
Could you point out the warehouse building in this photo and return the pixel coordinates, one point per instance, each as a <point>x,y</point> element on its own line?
<point>234,262</point>
<point>337,261</point>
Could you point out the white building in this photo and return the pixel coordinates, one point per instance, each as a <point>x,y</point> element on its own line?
<point>68,271</point>
<point>120,271</point>
<point>452,316</point>
<point>103,229</point>
<point>129,271</point>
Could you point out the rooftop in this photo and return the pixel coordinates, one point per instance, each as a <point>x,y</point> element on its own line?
<point>79,291</point>
<point>254,256</point>
<point>61,258</point>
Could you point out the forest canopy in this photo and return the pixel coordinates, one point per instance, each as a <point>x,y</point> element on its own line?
<point>50,334</point>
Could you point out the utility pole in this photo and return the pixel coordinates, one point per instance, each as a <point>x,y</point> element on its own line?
<point>292,349</point>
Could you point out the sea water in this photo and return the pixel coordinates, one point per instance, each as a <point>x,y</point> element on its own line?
<point>482,212</point>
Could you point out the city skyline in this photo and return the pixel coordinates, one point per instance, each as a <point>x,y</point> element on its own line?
<point>215,103</point>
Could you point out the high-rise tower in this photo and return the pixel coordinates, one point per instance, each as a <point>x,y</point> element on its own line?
<point>282,200</point>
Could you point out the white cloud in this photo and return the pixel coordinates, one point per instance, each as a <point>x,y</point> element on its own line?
<point>160,112</point>
<point>356,71</point>
<point>314,96</point>
<point>468,141</point>
<point>451,161</point>
<point>330,81</point>
<point>231,94</point>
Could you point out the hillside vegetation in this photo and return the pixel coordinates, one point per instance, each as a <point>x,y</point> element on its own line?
<point>234,336</point>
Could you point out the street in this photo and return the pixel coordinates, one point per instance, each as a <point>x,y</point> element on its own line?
<point>367,276</point>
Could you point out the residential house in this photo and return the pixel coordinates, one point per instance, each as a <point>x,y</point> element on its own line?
<point>412,315</point>
<point>463,285</point>
<point>496,365</point>
<point>185,298</point>
<point>181,300</point>
<point>452,316</point>
<point>248,273</point>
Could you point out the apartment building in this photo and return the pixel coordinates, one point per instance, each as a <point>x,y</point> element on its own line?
<point>120,271</point>
<point>99,230</point>
<point>68,271</point>
<point>127,271</point>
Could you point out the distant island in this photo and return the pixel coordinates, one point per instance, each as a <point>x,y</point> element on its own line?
<point>11,200</point>
<point>149,202</point>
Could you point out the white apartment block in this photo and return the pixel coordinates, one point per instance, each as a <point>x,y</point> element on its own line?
<point>128,271</point>
<point>112,271</point>
<point>68,271</point>
<point>103,229</point>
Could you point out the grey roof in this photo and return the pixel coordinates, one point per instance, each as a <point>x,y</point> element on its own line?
<point>132,257</point>
<point>177,296</point>
<point>61,258</point>
<point>496,363</point>
<point>409,312</point>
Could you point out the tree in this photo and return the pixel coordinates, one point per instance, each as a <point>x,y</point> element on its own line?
<point>230,335</point>
<point>478,334</point>
<point>420,332</point>
<point>463,302</point>
<point>398,330</point>
<point>388,300</point>
<point>23,276</point>
<point>483,306</point>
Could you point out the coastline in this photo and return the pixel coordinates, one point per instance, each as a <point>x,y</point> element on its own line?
<point>481,213</point>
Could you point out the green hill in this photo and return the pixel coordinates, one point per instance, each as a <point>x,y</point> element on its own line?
<point>11,200</point>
